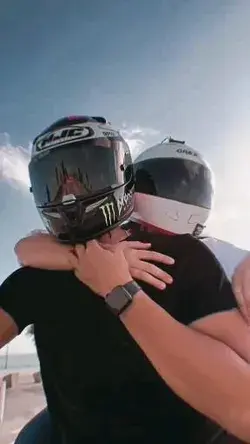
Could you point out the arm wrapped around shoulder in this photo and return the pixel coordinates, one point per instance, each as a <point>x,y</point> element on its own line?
<point>42,250</point>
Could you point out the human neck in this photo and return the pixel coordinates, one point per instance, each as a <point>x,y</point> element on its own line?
<point>144,226</point>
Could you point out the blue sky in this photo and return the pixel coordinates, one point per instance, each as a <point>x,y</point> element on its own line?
<point>178,67</point>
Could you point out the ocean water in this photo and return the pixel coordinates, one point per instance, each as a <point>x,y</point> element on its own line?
<point>19,362</point>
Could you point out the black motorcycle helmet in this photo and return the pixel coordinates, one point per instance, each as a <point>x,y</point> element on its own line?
<point>82,178</point>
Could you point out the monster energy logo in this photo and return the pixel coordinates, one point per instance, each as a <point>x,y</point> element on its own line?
<point>108,211</point>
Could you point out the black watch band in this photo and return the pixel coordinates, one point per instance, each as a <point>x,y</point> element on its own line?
<point>121,297</point>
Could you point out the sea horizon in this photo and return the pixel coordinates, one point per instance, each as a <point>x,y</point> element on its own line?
<point>20,362</point>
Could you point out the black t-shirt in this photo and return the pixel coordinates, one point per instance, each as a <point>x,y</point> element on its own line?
<point>100,387</point>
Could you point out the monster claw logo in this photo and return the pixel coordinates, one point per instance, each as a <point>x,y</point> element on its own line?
<point>124,200</point>
<point>108,211</point>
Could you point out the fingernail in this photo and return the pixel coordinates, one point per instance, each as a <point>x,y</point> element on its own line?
<point>163,286</point>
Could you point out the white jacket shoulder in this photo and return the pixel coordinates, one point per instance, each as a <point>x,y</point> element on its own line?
<point>227,254</point>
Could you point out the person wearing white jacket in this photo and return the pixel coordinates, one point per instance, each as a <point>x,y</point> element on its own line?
<point>236,264</point>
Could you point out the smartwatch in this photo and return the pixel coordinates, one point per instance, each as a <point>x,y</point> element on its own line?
<point>121,297</point>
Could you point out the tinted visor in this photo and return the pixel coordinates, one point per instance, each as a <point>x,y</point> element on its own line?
<point>175,179</point>
<point>82,169</point>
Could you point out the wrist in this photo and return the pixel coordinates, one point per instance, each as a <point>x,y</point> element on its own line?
<point>120,282</point>
<point>135,307</point>
<point>122,297</point>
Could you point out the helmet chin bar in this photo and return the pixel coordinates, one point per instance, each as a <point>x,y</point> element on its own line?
<point>169,216</point>
<point>76,220</point>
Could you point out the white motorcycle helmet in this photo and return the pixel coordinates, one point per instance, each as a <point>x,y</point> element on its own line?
<point>174,188</point>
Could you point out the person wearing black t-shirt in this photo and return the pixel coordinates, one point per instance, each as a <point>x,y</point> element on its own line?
<point>121,362</point>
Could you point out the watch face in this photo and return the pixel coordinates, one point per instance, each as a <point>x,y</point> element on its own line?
<point>118,299</point>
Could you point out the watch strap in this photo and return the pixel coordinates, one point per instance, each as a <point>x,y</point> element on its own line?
<point>132,287</point>
<point>121,297</point>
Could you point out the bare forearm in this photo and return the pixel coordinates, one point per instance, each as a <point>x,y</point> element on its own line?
<point>43,251</point>
<point>8,328</point>
<point>204,372</point>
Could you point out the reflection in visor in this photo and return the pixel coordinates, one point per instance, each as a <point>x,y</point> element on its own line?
<point>83,170</point>
<point>68,185</point>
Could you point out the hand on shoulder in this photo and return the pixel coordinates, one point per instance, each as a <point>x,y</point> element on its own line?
<point>41,250</point>
<point>241,287</point>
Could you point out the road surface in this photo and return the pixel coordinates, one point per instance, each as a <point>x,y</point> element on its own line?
<point>22,403</point>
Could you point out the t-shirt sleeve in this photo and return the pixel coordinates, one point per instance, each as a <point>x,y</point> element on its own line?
<point>17,297</point>
<point>210,292</point>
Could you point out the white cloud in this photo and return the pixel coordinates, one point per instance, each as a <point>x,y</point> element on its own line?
<point>231,215</point>
<point>13,163</point>
<point>14,159</point>
<point>138,138</point>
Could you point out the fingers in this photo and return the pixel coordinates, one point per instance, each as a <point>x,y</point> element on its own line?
<point>245,295</point>
<point>136,245</point>
<point>247,312</point>
<point>143,276</point>
<point>241,298</point>
<point>73,260</point>
<point>91,245</point>
<point>155,272</point>
<point>79,251</point>
<point>156,257</point>
<point>237,289</point>
<point>108,247</point>
<point>241,287</point>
